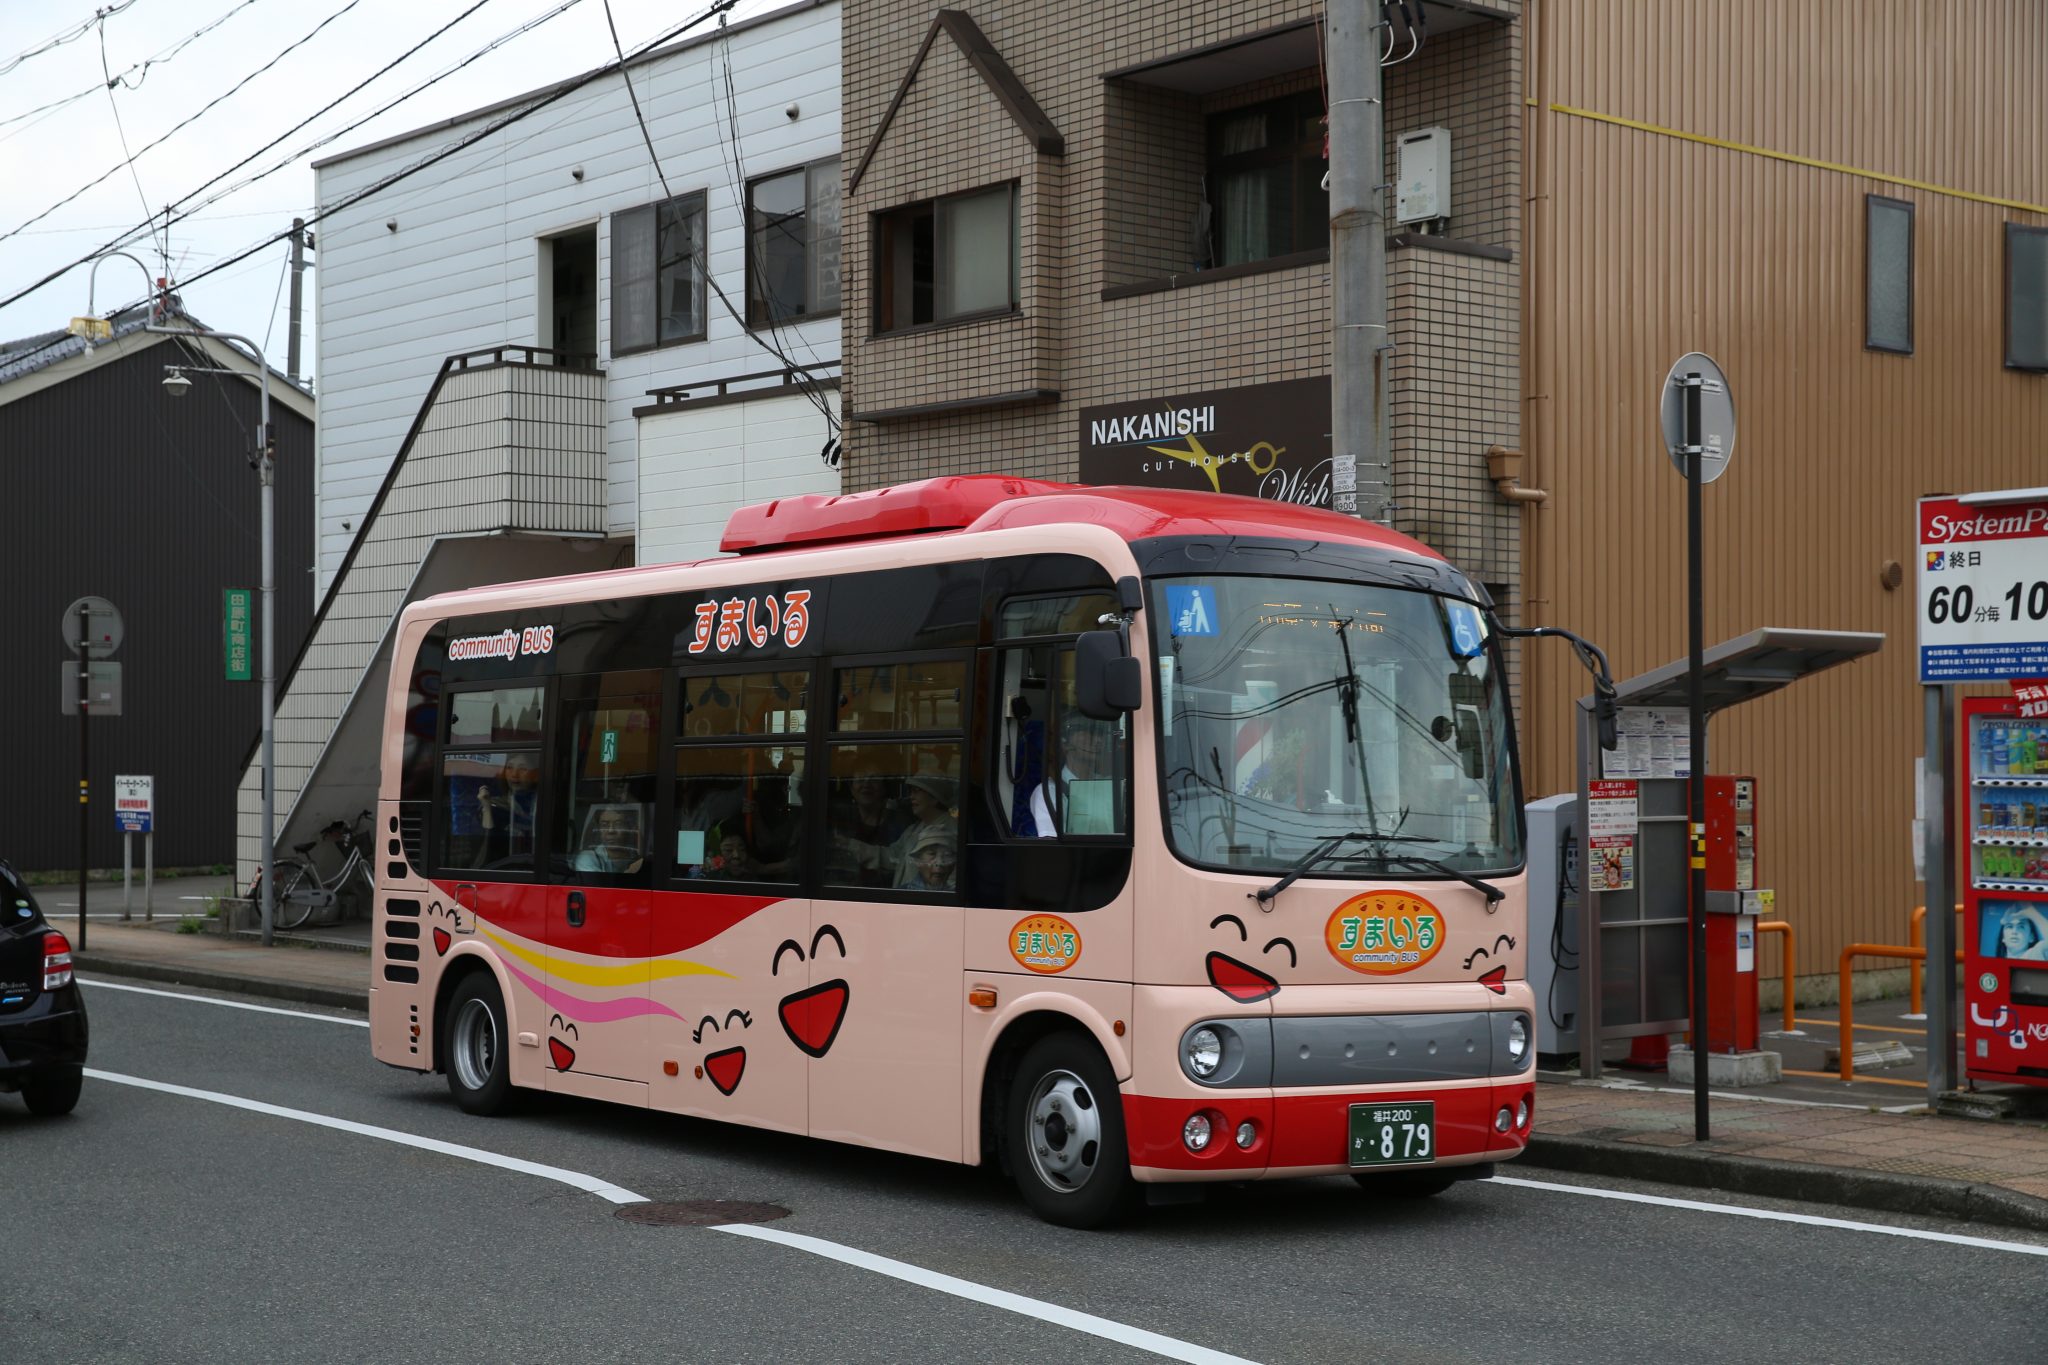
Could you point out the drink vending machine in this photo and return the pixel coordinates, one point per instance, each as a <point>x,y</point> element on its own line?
<point>2005,906</point>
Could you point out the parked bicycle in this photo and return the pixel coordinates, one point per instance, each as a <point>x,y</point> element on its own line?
<point>302,892</point>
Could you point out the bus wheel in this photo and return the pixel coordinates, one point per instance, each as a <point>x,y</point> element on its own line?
<point>479,1072</point>
<point>1405,1184</point>
<point>1065,1128</point>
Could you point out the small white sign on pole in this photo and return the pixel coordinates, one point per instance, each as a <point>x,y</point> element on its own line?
<point>135,804</point>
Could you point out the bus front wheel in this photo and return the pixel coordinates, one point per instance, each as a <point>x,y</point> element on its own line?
<point>479,1071</point>
<point>1065,1126</point>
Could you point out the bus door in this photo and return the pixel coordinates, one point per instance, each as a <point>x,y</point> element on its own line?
<point>602,779</point>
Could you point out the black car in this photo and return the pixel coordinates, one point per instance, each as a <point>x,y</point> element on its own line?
<point>42,1013</point>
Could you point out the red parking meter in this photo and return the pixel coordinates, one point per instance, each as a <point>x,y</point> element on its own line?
<point>1734,904</point>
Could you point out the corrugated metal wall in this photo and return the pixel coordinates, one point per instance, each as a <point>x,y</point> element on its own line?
<point>108,487</point>
<point>1645,245</point>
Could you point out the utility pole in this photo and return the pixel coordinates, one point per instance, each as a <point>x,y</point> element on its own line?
<point>1361,469</point>
<point>291,364</point>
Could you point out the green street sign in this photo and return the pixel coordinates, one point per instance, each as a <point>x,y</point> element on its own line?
<point>235,632</point>
<point>609,747</point>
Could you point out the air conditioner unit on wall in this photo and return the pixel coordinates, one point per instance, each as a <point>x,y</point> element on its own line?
<point>1422,178</point>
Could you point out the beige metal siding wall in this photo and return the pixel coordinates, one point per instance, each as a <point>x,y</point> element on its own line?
<point>1645,245</point>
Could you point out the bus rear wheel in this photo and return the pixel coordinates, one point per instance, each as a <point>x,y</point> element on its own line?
<point>1065,1129</point>
<point>473,1047</point>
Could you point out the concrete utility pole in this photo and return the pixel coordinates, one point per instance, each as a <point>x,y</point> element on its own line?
<point>291,364</point>
<point>1362,474</point>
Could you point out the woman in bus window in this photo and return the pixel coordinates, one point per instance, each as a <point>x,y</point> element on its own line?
<point>505,812</point>
<point>933,860</point>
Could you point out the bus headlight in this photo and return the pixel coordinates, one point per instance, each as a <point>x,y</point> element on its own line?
<point>1202,1052</point>
<point>1518,1040</point>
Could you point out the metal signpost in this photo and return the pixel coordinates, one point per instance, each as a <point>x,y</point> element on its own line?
<point>135,813</point>
<point>92,630</point>
<point>1983,617</point>
<point>1697,413</point>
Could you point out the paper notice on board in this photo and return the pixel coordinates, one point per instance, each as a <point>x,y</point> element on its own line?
<point>1611,820</point>
<point>1652,741</point>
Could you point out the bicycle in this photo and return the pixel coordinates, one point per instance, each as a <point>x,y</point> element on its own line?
<point>302,891</point>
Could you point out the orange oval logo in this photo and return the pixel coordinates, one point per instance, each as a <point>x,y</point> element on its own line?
<point>1384,933</point>
<point>1045,943</point>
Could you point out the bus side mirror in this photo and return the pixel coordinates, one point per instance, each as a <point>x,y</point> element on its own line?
<point>1107,682</point>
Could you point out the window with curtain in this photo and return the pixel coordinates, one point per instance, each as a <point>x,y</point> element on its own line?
<point>945,259</point>
<point>657,270</point>
<point>1265,189</point>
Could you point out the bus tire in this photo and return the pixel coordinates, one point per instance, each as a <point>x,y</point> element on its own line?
<point>475,1046</point>
<point>1064,1127</point>
<point>1405,1184</point>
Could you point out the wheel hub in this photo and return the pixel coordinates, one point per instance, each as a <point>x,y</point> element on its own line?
<point>1066,1131</point>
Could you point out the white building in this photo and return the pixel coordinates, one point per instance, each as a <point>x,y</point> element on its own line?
<point>543,354</point>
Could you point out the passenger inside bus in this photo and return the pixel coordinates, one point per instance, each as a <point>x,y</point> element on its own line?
<point>928,797</point>
<point>505,812</point>
<point>934,858</point>
<point>613,839</point>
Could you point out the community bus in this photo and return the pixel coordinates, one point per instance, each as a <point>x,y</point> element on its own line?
<point>1118,836</point>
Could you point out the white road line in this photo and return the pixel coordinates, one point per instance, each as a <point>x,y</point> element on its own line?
<point>575,1179</point>
<point>1138,1337</point>
<point>93,983</point>
<point>1771,1215</point>
<point>1109,1330</point>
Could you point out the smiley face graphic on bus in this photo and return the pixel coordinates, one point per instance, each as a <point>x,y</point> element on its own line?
<point>723,1067</point>
<point>812,1017</point>
<point>1241,981</point>
<point>560,1031</point>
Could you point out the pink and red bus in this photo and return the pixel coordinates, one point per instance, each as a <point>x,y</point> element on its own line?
<point>1119,837</point>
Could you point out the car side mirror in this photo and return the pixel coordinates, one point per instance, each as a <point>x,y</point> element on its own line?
<point>1107,682</point>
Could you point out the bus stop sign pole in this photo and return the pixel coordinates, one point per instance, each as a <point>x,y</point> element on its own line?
<point>1696,395</point>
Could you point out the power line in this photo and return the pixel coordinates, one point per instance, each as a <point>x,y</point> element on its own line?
<point>468,140</point>
<point>69,35</point>
<point>123,238</point>
<point>139,70</point>
<point>122,133</point>
<point>237,86</point>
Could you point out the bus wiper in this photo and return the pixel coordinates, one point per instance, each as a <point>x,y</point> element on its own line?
<point>1323,851</point>
<point>1494,895</point>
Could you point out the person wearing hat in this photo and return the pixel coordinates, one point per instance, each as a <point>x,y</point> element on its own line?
<point>930,797</point>
<point>933,860</point>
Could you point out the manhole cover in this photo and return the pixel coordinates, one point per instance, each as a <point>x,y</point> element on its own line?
<point>701,1213</point>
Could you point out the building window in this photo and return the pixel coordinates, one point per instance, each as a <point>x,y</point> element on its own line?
<point>946,259</point>
<point>1887,274</point>
<point>793,244</point>
<point>2026,297</point>
<point>1266,195</point>
<point>658,274</point>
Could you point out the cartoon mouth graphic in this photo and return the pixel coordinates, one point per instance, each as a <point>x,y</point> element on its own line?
<point>725,1068</point>
<point>564,1056</point>
<point>441,941</point>
<point>1239,981</point>
<point>1495,980</point>
<point>812,1017</point>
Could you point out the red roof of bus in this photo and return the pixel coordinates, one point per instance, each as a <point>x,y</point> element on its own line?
<point>983,502</point>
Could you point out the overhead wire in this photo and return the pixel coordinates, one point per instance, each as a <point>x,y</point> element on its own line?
<point>122,133</point>
<point>140,70</point>
<point>467,140</point>
<point>125,237</point>
<point>69,35</point>
<point>188,120</point>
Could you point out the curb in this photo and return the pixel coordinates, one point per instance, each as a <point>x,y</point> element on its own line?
<point>90,964</point>
<point>1883,1191</point>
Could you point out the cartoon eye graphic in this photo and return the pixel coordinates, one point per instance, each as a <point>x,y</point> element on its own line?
<point>1494,979</point>
<point>812,1017</point>
<point>559,1052</point>
<point>1241,981</point>
<point>711,1021</point>
<point>442,936</point>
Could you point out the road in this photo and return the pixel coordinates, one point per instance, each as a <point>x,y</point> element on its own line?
<point>170,1224</point>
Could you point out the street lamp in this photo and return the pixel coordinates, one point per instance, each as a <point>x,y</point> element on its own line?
<point>177,385</point>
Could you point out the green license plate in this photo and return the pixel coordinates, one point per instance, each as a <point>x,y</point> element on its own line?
<point>1401,1134</point>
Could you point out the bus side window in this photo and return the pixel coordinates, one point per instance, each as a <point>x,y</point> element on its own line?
<point>1089,792</point>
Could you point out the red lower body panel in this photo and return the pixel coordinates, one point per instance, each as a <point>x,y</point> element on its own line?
<point>1305,1131</point>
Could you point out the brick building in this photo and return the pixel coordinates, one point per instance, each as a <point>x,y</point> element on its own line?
<point>1062,220</point>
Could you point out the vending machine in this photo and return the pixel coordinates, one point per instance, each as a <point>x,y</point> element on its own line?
<point>2005,906</point>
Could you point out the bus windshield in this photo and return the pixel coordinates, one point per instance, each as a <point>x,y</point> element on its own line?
<point>1294,711</point>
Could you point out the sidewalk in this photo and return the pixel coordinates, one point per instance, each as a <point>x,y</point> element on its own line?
<point>1775,1147</point>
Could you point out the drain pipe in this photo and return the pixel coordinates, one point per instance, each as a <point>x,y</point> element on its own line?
<point>1504,467</point>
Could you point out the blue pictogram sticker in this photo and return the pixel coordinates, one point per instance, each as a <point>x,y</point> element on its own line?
<point>1192,610</point>
<point>1468,634</point>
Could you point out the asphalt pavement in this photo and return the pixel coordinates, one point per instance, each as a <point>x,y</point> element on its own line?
<point>173,1224</point>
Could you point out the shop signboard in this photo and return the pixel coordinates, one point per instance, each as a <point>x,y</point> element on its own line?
<point>1983,574</point>
<point>1263,441</point>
